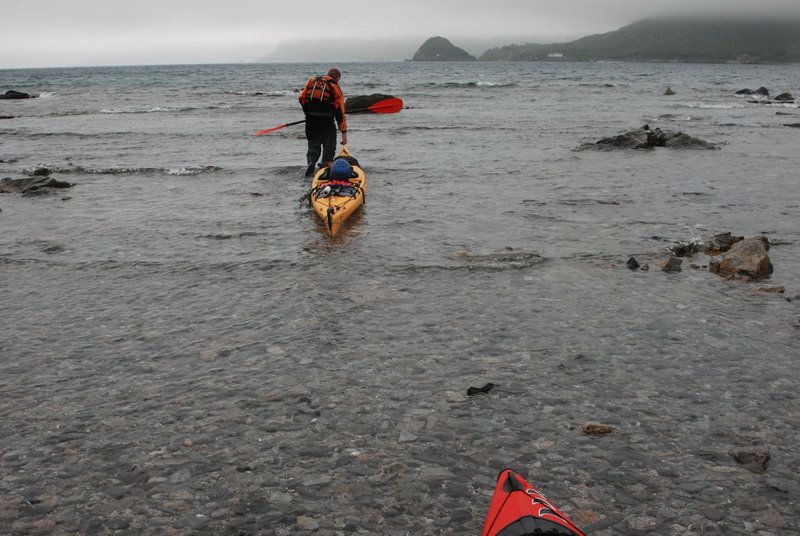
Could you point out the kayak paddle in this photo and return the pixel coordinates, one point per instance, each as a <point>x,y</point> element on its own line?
<point>392,105</point>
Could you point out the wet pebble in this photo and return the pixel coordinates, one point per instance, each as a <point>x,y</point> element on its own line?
<point>307,523</point>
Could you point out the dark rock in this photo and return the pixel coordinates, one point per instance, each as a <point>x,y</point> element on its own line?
<point>684,249</point>
<point>594,429</point>
<point>632,264</point>
<point>634,139</point>
<point>671,265</point>
<point>11,94</point>
<point>755,460</point>
<point>720,243</point>
<point>764,92</point>
<point>793,125</point>
<point>669,91</point>
<point>360,103</point>
<point>647,138</point>
<point>477,390</point>
<point>53,249</point>
<point>6,117</point>
<point>747,259</point>
<point>681,140</point>
<point>13,186</point>
<point>784,97</point>
<point>40,171</point>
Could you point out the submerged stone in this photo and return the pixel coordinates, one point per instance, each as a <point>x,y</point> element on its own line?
<point>755,460</point>
<point>14,186</point>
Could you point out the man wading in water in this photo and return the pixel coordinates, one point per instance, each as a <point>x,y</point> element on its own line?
<point>323,102</point>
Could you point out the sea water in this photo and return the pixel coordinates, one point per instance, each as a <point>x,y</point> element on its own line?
<point>179,329</point>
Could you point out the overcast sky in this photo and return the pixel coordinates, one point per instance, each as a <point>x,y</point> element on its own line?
<point>40,33</point>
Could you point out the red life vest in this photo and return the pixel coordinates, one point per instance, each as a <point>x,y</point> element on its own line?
<point>320,97</point>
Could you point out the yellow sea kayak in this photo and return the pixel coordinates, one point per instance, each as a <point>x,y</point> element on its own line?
<point>335,197</point>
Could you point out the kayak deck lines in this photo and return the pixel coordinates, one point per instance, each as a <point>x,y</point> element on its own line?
<point>335,200</point>
<point>519,509</point>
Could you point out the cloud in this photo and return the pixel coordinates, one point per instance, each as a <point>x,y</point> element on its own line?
<point>79,32</point>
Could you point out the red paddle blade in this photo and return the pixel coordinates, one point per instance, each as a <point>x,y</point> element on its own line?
<point>268,130</point>
<point>392,105</point>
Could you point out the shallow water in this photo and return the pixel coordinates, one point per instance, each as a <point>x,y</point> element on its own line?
<point>179,354</point>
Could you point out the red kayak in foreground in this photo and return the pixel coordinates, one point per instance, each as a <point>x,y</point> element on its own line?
<point>519,509</point>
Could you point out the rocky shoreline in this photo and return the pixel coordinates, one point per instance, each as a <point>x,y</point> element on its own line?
<point>330,458</point>
<point>743,259</point>
<point>256,441</point>
<point>181,357</point>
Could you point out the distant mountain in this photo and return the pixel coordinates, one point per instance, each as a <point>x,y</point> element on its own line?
<point>440,49</point>
<point>682,40</point>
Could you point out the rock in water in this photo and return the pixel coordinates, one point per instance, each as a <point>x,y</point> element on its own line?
<point>764,92</point>
<point>721,243</point>
<point>647,138</point>
<point>595,429</point>
<point>747,259</point>
<point>684,249</point>
<point>472,391</point>
<point>671,265</point>
<point>11,94</point>
<point>681,140</point>
<point>755,460</point>
<point>15,186</point>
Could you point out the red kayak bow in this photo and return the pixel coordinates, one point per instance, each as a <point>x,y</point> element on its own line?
<point>519,509</point>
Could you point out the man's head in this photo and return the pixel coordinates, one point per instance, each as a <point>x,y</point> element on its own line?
<point>335,73</point>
